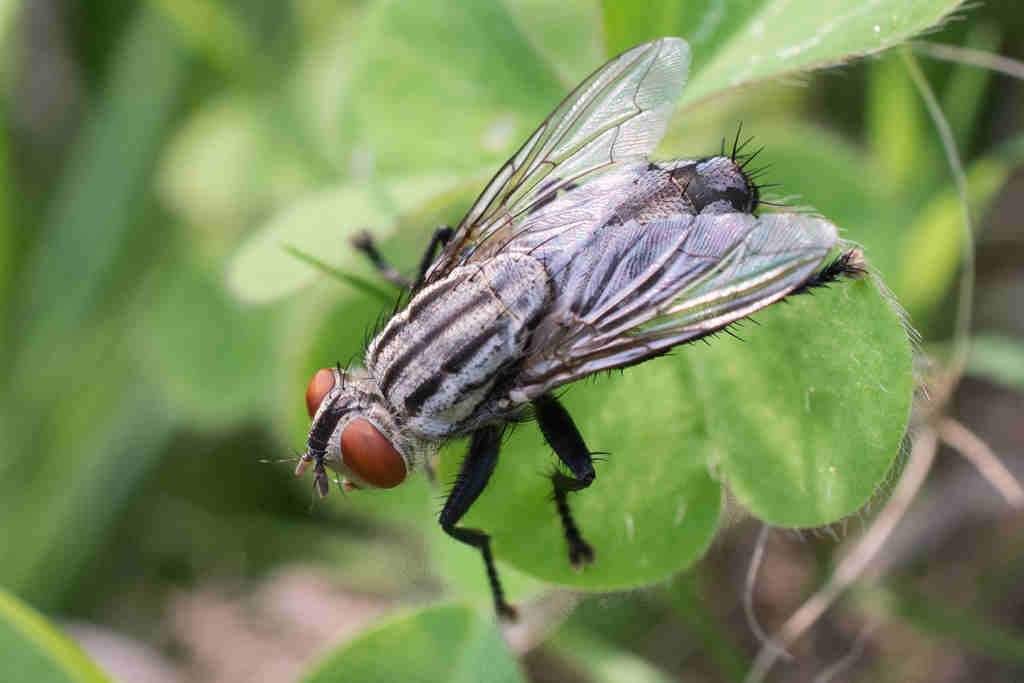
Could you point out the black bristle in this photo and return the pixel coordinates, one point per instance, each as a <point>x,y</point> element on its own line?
<point>849,264</point>
<point>738,151</point>
<point>751,157</point>
<point>736,141</point>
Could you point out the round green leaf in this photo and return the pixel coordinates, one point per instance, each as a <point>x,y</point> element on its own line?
<point>803,423</point>
<point>453,644</point>
<point>653,508</point>
<point>807,417</point>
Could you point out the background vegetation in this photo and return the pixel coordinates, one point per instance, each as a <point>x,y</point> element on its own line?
<point>156,340</point>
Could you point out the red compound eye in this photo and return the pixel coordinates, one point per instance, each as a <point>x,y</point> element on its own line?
<point>322,382</point>
<point>371,456</point>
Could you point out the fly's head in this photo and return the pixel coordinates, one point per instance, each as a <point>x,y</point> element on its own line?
<point>352,432</point>
<point>717,185</point>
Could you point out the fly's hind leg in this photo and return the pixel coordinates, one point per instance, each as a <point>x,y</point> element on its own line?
<point>561,434</point>
<point>476,470</point>
<point>365,243</point>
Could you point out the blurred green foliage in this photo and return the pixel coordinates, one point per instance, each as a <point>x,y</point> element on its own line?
<point>157,334</point>
<point>448,643</point>
<point>35,651</point>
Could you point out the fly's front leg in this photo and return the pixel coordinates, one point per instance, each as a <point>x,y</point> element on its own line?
<point>562,435</point>
<point>475,471</point>
<point>365,243</point>
<point>440,238</point>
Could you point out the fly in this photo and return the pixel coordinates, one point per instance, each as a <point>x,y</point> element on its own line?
<point>581,255</point>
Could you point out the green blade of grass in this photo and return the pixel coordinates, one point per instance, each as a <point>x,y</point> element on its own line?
<point>359,283</point>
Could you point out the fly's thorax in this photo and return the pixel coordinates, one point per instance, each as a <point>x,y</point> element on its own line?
<point>437,362</point>
<point>715,185</point>
<point>354,432</point>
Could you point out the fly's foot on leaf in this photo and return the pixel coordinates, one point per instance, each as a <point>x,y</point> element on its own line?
<point>581,554</point>
<point>507,613</point>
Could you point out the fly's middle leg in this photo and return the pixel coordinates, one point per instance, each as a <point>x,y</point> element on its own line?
<point>365,243</point>
<point>476,470</point>
<point>561,434</point>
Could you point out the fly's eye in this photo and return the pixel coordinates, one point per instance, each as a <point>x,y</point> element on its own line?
<point>371,456</point>
<point>322,382</point>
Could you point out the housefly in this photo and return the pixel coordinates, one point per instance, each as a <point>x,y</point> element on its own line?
<point>581,255</point>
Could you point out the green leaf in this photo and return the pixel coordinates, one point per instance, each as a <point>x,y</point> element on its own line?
<point>33,650</point>
<point>78,405</point>
<point>997,358</point>
<point>807,417</point>
<point>453,644</point>
<point>802,423</point>
<point>897,127</point>
<point>960,628</point>
<point>446,86</point>
<point>362,284</point>
<point>7,236</point>
<point>933,244</point>
<point>963,98</point>
<point>653,508</point>
<point>112,427</point>
<point>8,14</point>
<point>212,370</point>
<point>322,224</point>
<point>566,34</point>
<point>222,167</point>
<point>669,424</point>
<point>212,31</point>
<point>736,43</point>
<point>94,207</point>
<point>605,663</point>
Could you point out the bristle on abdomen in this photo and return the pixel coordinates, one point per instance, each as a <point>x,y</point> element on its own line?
<point>850,263</point>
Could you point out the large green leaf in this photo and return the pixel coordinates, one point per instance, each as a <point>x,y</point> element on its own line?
<point>736,43</point>
<point>802,423</point>
<point>453,644</point>
<point>654,506</point>
<point>33,650</point>
<point>806,417</point>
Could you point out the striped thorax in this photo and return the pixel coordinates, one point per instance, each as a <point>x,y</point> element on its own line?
<point>436,370</point>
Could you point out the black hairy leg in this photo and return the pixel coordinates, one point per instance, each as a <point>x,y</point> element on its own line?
<point>562,435</point>
<point>475,471</point>
<point>365,243</point>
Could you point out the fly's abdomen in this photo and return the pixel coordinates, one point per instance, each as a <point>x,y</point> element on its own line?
<point>437,360</point>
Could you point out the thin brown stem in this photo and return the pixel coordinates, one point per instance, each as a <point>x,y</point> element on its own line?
<point>988,464</point>
<point>922,456</point>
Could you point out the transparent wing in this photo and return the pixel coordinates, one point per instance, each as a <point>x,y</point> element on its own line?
<point>632,291</point>
<point>618,114</point>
